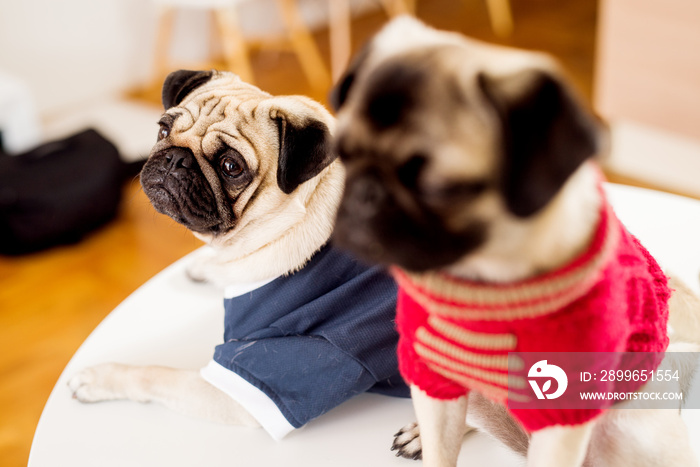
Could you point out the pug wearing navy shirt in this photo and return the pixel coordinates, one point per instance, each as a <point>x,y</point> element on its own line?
<point>306,326</point>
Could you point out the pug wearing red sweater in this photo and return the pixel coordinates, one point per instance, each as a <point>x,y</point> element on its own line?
<point>470,170</point>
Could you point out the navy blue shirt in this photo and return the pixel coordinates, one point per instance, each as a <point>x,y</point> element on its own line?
<point>315,338</point>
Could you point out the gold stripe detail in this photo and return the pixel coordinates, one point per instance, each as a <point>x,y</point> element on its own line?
<point>522,312</point>
<point>498,362</point>
<point>479,340</point>
<point>517,397</point>
<point>495,393</point>
<point>494,295</point>
<point>431,356</point>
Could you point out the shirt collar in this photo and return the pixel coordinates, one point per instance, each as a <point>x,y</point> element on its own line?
<point>236,290</point>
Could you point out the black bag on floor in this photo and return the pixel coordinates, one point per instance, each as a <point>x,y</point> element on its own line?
<point>58,192</point>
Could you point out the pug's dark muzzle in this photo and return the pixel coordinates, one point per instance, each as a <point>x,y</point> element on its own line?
<point>176,187</point>
<point>376,226</point>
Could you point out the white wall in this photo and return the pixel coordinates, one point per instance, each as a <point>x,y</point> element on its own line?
<point>72,51</point>
<point>68,51</point>
<point>648,86</point>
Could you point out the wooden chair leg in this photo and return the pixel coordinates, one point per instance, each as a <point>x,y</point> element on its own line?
<point>399,7</point>
<point>215,39</point>
<point>304,46</point>
<point>339,25</point>
<point>162,50</point>
<point>501,17</point>
<point>235,50</point>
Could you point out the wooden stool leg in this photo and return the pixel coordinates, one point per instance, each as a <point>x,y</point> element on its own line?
<point>340,21</point>
<point>304,46</point>
<point>215,39</point>
<point>340,36</point>
<point>501,17</point>
<point>165,32</point>
<point>235,50</point>
<point>398,7</point>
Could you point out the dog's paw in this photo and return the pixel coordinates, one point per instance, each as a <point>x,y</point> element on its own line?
<point>407,442</point>
<point>98,383</point>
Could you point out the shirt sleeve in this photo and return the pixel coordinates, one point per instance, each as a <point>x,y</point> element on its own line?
<point>286,382</point>
<point>252,399</point>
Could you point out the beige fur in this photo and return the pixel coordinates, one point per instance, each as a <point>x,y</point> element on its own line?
<point>520,248</point>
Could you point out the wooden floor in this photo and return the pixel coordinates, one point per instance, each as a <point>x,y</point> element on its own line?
<point>50,302</point>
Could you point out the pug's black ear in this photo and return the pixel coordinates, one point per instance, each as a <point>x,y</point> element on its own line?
<point>340,91</point>
<point>180,83</point>
<point>546,135</point>
<point>304,142</point>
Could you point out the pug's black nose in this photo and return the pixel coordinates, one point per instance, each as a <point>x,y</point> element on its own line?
<point>180,158</point>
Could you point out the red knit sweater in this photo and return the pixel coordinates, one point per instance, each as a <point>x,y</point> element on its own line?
<point>455,335</point>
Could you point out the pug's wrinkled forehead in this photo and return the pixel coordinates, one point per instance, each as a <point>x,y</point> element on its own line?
<point>406,37</point>
<point>213,114</point>
<point>418,92</point>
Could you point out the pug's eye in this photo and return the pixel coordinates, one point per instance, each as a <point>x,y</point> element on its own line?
<point>230,167</point>
<point>163,132</point>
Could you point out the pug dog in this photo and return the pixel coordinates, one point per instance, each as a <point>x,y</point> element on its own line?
<point>470,170</point>
<point>255,177</point>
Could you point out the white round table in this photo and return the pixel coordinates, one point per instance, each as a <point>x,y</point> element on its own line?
<point>172,321</point>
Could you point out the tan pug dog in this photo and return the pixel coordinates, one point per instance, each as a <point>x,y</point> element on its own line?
<point>254,176</point>
<point>248,201</point>
<point>474,160</point>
